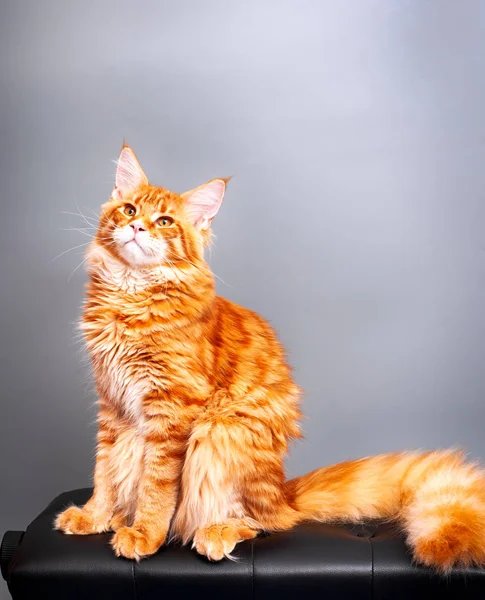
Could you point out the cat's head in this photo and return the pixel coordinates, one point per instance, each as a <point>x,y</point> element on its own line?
<point>143,225</point>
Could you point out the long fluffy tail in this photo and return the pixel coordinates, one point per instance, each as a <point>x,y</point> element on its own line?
<point>437,497</point>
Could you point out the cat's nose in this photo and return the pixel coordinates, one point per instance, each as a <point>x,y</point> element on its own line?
<point>137,227</point>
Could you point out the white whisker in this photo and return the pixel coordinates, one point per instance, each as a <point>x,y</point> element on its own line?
<point>109,220</point>
<point>202,267</point>
<point>79,230</point>
<point>79,265</point>
<point>65,212</point>
<point>94,212</point>
<point>82,215</point>
<point>69,250</point>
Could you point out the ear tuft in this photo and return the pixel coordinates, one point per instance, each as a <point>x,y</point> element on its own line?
<point>203,203</point>
<point>129,174</point>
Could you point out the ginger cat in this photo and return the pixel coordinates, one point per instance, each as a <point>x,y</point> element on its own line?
<point>197,406</point>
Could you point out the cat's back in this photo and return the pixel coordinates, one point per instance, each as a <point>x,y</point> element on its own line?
<point>244,326</point>
<point>247,344</point>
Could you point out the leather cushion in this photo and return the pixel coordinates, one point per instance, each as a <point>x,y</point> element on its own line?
<point>312,560</point>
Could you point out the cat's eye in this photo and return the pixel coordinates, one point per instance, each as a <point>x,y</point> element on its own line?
<point>164,221</point>
<point>129,210</point>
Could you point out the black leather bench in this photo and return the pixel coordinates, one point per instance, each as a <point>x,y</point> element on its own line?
<point>311,561</point>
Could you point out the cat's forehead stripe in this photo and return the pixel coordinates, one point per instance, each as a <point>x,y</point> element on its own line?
<point>163,201</point>
<point>143,199</point>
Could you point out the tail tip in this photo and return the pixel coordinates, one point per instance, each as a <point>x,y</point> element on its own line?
<point>450,545</point>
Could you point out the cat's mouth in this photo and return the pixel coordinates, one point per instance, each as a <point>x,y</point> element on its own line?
<point>134,241</point>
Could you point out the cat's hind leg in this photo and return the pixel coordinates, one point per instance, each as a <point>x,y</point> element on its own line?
<point>210,511</point>
<point>228,456</point>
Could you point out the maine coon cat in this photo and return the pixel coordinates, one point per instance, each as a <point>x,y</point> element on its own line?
<point>197,406</point>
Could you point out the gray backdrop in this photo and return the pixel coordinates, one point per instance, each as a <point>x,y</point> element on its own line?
<point>354,222</point>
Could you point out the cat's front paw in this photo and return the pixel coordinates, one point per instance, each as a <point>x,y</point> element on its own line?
<point>132,543</point>
<point>77,521</point>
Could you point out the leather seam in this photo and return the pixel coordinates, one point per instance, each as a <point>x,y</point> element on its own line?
<point>133,572</point>
<point>252,570</point>
<point>13,562</point>
<point>372,595</point>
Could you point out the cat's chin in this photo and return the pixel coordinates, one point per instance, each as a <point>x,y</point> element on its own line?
<point>136,256</point>
<point>114,260</point>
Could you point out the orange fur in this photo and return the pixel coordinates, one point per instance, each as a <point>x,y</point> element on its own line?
<point>197,406</point>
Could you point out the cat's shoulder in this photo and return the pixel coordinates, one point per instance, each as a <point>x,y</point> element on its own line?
<point>237,312</point>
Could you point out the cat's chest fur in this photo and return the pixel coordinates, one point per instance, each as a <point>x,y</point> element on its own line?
<point>133,354</point>
<point>122,378</point>
<point>128,366</point>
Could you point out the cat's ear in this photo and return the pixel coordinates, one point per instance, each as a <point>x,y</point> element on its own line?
<point>129,174</point>
<point>203,202</point>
